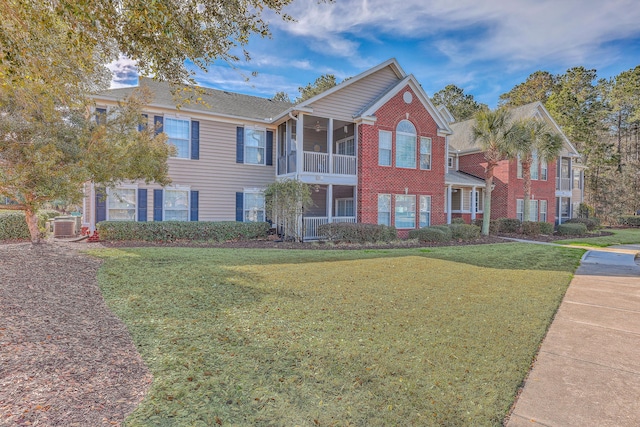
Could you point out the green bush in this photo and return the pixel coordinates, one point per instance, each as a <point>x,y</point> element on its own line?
<point>464,231</point>
<point>431,234</point>
<point>546,228</point>
<point>591,223</point>
<point>169,231</point>
<point>357,233</point>
<point>531,228</point>
<point>13,226</point>
<point>458,221</point>
<point>494,225</point>
<point>509,225</point>
<point>570,229</point>
<point>630,220</point>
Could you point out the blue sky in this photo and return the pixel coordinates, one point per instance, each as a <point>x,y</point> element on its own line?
<point>484,47</point>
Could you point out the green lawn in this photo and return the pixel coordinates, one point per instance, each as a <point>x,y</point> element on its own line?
<point>621,236</point>
<point>363,338</point>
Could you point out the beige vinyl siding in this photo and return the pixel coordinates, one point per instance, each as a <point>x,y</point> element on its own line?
<point>346,103</point>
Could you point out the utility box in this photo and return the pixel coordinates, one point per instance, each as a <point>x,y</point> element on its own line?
<point>66,226</point>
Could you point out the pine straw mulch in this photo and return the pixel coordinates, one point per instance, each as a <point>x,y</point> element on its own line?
<point>65,359</point>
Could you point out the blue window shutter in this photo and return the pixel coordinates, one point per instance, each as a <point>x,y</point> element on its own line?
<point>145,120</point>
<point>269,148</point>
<point>240,207</point>
<point>195,139</point>
<point>101,206</point>
<point>158,121</point>
<point>194,206</point>
<point>142,204</point>
<point>239,145</point>
<point>157,205</point>
<point>101,116</point>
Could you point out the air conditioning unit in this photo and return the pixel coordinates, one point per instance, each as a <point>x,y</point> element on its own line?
<point>66,226</point>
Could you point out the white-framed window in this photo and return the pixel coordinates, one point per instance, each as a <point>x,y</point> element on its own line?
<point>384,209</point>
<point>255,145</point>
<point>543,211</point>
<point>519,168</point>
<point>344,207</point>
<point>384,148</point>
<point>520,209</point>
<point>478,201</point>
<point>533,210</point>
<point>176,204</point>
<point>406,138</point>
<point>121,204</point>
<point>346,146</point>
<point>179,135</point>
<point>405,211</point>
<point>425,211</point>
<point>544,170</point>
<point>425,153</point>
<point>534,166</point>
<point>253,206</point>
<point>450,162</point>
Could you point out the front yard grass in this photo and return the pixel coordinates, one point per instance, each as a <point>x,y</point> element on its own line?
<point>621,236</point>
<point>334,338</point>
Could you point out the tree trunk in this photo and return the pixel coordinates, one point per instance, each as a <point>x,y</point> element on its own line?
<point>486,216</point>
<point>526,185</point>
<point>32,222</point>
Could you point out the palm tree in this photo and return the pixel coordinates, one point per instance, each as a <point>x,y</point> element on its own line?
<point>495,134</point>
<point>534,138</point>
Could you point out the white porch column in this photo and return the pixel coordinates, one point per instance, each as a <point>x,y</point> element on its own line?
<point>473,203</point>
<point>330,203</point>
<point>300,145</point>
<point>449,193</point>
<point>330,144</point>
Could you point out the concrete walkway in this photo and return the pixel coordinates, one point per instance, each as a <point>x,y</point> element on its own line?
<point>588,370</point>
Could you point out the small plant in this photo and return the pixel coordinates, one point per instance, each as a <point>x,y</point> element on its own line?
<point>431,234</point>
<point>629,220</point>
<point>591,223</point>
<point>465,231</point>
<point>546,228</point>
<point>458,221</point>
<point>575,229</point>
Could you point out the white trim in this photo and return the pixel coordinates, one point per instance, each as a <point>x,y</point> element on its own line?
<point>189,136</point>
<point>109,190</point>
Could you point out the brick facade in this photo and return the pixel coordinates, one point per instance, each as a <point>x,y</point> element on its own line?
<point>374,179</point>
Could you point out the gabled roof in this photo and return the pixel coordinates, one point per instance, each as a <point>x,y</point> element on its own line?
<point>462,138</point>
<point>463,178</point>
<point>446,114</point>
<point>219,102</point>
<point>410,80</point>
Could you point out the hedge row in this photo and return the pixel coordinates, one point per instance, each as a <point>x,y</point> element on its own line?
<point>533,228</point>
<point>572,229</point>
<point>357,233</point>
<point>630,220</point>
<point>590,223</point>
<point>169,231</point>
<point>13,225</point>
<point>445,233</point>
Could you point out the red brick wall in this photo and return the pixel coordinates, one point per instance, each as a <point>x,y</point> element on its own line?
<point>374,179</point>
<point>509,188</point>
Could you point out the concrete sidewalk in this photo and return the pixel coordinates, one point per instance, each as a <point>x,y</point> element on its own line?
<point>588,370</point>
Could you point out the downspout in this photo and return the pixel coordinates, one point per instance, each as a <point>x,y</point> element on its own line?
<point>449,193</point>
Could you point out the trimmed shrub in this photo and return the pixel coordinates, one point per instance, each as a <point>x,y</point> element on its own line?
<point>509,225</point>
<point>531,228</point>
<point>591,223</point>
<point>458,221</point>
<point>465,231</point>
<point>13,226</point>
<point>357,233</point>
<point>494,225</point>
<point>574,229</point>
<point>630,220</point>
<point>432,234</point>
<point>546,228</point>
<point>169,231</point>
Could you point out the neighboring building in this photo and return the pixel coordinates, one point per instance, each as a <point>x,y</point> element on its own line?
<point>375,148</point>
<point>556,187</point>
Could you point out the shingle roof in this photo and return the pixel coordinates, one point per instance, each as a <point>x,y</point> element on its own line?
<point>219,101</point>
<point>463,178</point>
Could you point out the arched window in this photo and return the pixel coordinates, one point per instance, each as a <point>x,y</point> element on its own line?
<point>406,137</point>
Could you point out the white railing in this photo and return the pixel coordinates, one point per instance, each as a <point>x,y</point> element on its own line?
<point>344,165</point>
<point>563,184</point>
<point>316,162</point>
<point>311,224</point>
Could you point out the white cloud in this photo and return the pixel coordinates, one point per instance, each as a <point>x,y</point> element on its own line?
<point>124,72</point>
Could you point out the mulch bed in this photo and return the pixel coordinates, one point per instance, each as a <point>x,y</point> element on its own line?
<point>65,359</point>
